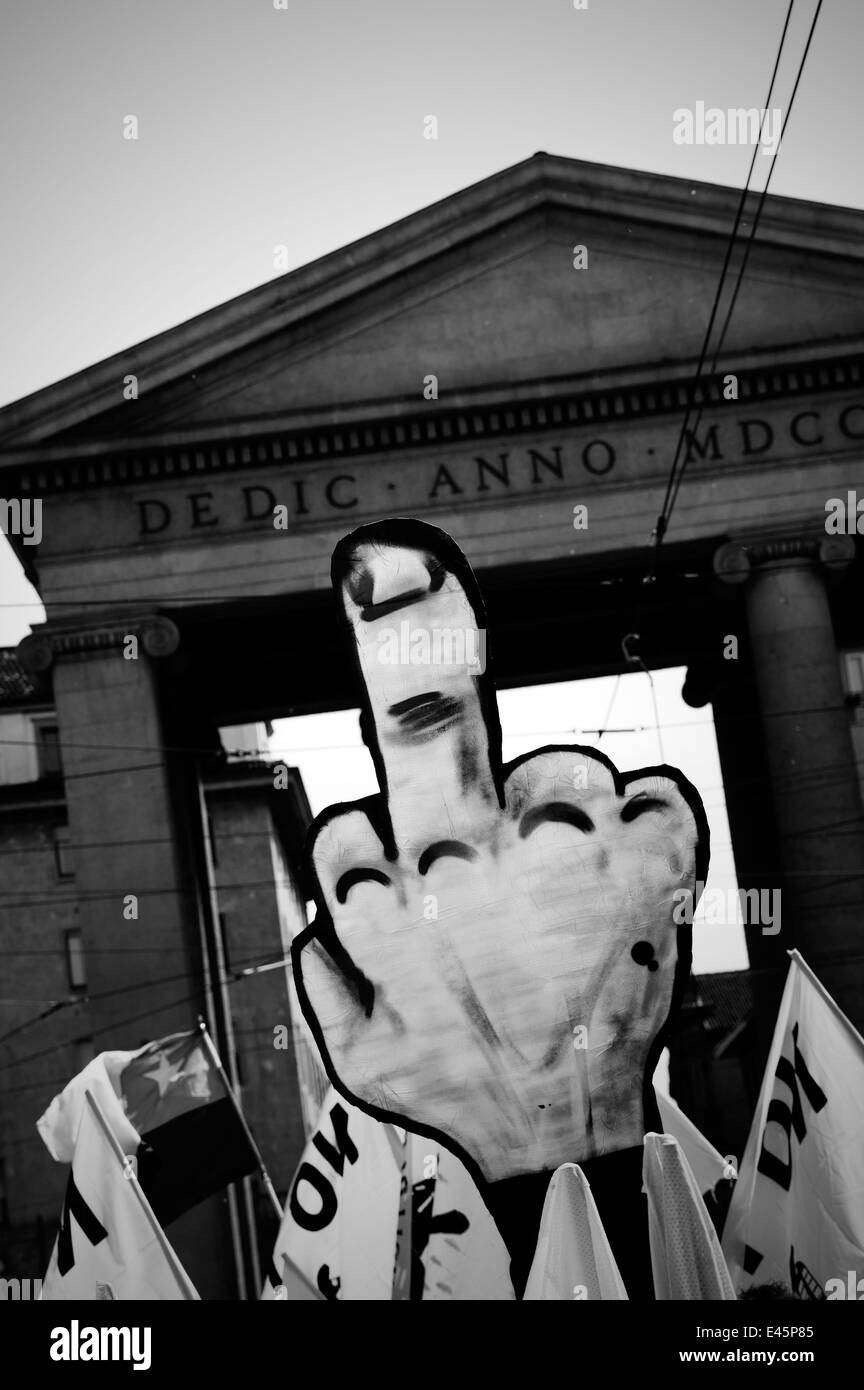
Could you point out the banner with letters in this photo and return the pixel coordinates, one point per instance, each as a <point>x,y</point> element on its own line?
<point>110,1245</point>
<point>797,1213</point>
<point>339,1225</point>
<point>351,1232</point>
<point>457,1252</point>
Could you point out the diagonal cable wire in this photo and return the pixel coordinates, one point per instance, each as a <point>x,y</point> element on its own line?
<point>675,479</point>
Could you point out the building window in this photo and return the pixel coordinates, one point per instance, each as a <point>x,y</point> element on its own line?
<point>75,960</point>
<point>84,1050</point>
<point>62,852</point>
<point>853,680</point>
<point>48,750</point>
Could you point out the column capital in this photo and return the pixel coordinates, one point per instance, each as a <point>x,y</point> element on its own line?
<point>735,561</point>
<point>158,635</point>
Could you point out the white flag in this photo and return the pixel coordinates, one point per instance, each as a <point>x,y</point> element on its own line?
<point>706,1163</point>
<point>110,1245</point>
<point>339,1226</point>
<point>101,1076</point>
<point>351,1230</point>
<point>573,1259</point>
<point>797,1213</point>
<point>458,1254</point>
<point>686,1259</point>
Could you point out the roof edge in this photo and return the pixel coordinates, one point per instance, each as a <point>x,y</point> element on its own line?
<point>308,290</point>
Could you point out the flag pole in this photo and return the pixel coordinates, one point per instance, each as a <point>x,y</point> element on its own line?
<point>177,1269</point>
<point>262,1170</point>
<point>817,984</point>
<point>401,1284</point>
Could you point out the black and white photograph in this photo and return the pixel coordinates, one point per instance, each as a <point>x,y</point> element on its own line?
<point>431,673</point>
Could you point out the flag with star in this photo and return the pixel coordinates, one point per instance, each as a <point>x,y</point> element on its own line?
<point>171,1111</point>
<point>192,1140</point>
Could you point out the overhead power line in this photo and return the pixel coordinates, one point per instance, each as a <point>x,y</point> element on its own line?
<point>676,474</point>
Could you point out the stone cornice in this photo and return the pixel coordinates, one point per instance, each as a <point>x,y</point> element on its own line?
<point>83,469</point>
<point>38,651</point>
<point>735,561</point>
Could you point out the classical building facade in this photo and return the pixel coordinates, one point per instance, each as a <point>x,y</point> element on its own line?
<point>522,348</point>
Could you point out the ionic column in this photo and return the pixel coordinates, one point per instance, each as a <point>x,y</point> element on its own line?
<point>809,749</point>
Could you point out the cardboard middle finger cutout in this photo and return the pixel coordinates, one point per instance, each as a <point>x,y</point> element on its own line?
<point>494,961</point>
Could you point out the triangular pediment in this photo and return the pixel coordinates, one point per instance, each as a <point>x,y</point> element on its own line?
<point>481,292</point>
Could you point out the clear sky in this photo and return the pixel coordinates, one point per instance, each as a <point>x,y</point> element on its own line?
<point>303,127</point>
